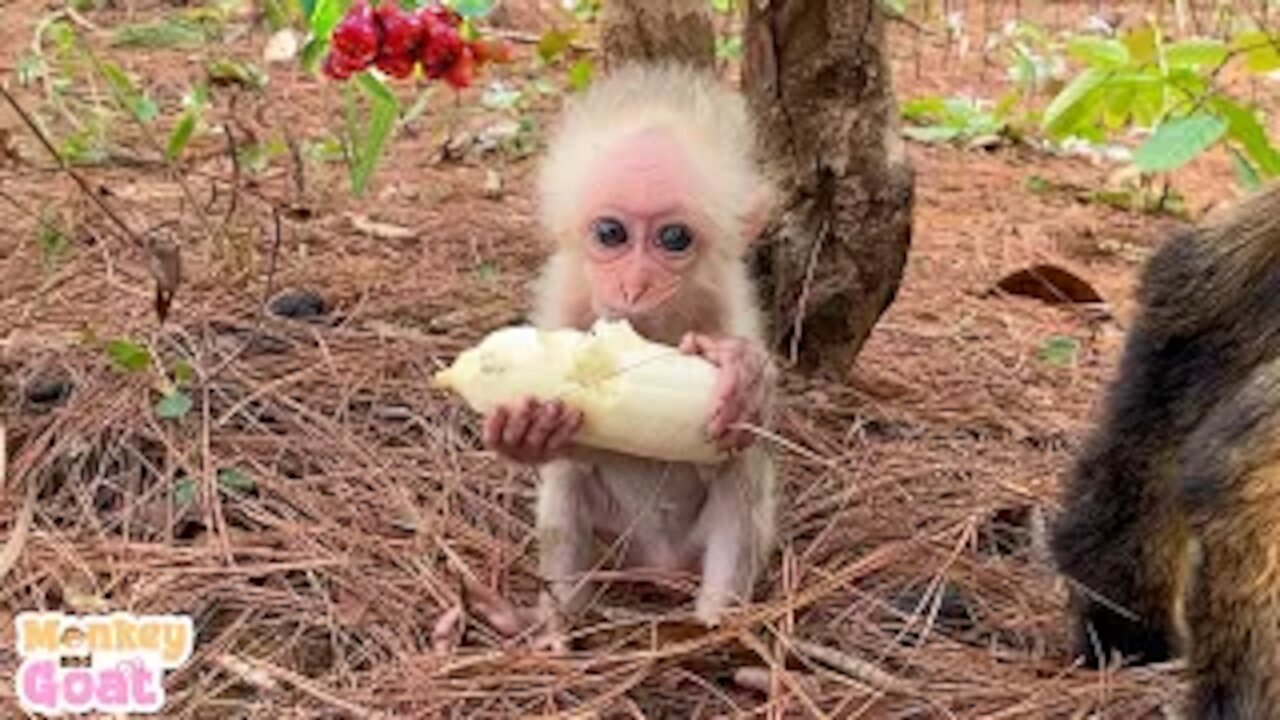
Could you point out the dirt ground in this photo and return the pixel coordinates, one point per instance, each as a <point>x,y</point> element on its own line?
<point>912,488</point>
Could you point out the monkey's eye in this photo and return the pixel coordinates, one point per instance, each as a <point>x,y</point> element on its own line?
<point>675,238</point>
<point>610,233</point>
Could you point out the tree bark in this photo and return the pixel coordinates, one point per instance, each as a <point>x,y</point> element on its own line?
<point>638,30</point>
<point>818,78</point>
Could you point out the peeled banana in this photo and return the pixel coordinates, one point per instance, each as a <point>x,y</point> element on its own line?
<point>637,397</point>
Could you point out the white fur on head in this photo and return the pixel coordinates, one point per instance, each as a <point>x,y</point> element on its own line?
<point>709,120</point>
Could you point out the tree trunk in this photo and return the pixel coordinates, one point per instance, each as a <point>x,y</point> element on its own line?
<point>818,78</point>
<point>679,30</point>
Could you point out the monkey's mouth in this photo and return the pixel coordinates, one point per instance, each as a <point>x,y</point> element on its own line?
<point>633,314</point>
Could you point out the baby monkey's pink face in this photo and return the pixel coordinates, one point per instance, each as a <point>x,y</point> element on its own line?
<point>642,226</point>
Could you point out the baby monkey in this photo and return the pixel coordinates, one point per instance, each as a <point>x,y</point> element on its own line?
<point>1172,520</point>
<point>652,193</point>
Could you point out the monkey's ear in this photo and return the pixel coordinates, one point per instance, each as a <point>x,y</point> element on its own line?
<point>759,211</point>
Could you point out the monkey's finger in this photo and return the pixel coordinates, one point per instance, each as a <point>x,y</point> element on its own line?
<point>703,345</point>
<point>570,422</point>
<point>544,424</point>
<point>689,343</point>
<point>518,424</point>
<point>494,426</point>
<point>741,438</point>
<point>727,397</point>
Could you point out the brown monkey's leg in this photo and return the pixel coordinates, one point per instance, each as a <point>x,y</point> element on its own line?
<point>1123,542</point>
<point>1232,490</point>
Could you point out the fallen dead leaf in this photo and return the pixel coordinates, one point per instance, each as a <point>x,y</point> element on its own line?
<point>1051,284</point>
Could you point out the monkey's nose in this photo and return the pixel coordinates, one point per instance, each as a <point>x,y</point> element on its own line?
<point>633,293</point>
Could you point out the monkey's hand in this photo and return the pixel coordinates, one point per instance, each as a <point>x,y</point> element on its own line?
<point>530,431</point>
<point>744,387</point>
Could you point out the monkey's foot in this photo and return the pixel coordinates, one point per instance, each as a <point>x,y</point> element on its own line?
<point>710,608</point>
<point>540,626</point>
<point>1102,636</point>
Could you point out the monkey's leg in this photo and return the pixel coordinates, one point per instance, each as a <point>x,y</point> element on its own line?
<point>737,529</point>
<point>1123,542</point>
<point>565,545</point>
<point>1232,491</point>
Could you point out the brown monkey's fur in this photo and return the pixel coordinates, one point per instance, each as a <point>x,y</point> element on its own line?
<point>1172,521</point>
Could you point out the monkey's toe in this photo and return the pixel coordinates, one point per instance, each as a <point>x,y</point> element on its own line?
<point>1104,636</point>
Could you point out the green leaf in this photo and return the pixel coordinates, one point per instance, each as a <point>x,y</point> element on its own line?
<point>553,43</point>
<point>376,89</point>
<point>1098,51</point>
<point>1198,53</point>
<point>1261,50</point>
<point>1060,350</point>
<point>722,6</point>
<point>1076,106</point>
<point>1119,105</point>
<point>184,491</point>
<point>382,120</point>
<point>1244,127</point>
<point>29,69</point>
<point>1178,141</point>
<point>487,271</point>
<point>580,74</point>
<point>1246,174</point>
<point>233,479</point>
<point>128,356</point>
<point>1186,85</point>
<point>127,94</point>
<point>1148,102</point>
<point>116,77</point>
<point>181,135</point>
<point>470,9</point>
<point>52,240</point>
<point>1024,72</point>
<point>313,51</point>
<point>238,72</point>
<point>1141,44</point>
<point>183,372</point>
<point>933,134</point>
<point>172,33</point>
<point>173,406</point>
<point>322,17</point>
<point>924,108</point>
<point>277,16</point>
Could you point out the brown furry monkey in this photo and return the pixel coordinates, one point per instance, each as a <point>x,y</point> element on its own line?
<point>651,192</point>
<point>1171,529</point>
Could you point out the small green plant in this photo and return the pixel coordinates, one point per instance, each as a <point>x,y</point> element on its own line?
<point>127,355</point>
<point>173,405</point>
<point>956,119</point>
<point>52,239</point>
<point>1060,350</point>
<point>1171,89</point>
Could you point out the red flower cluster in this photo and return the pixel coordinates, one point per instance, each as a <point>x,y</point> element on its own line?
<point>396,40</point>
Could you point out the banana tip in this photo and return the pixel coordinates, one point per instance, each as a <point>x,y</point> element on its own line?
<point>442,380</point>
